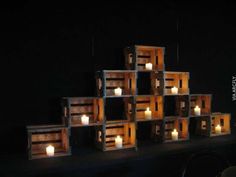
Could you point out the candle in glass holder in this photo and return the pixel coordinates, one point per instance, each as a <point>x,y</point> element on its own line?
<point>218,129</point>
<point>148,113</point>
<point>85,120</point>
<point>148,66</point>
<point>50,150</point>
<point>174,90</point>
<point>118,91</point>
<point>174,135</point>
<point>118,142</point>
<point>197,111</point>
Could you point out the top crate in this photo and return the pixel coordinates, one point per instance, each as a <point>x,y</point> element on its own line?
<point>109,80</point>
<point>137,56</point>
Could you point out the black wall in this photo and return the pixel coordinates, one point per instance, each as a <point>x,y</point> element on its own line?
<point>51,52</point>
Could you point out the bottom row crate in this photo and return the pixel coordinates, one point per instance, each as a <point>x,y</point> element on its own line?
<point>215,125</point>
<point>48,141</point>
<point>176,129</point>
<point>116,135</point>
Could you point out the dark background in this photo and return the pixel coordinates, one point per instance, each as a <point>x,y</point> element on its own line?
<point>50,51</point>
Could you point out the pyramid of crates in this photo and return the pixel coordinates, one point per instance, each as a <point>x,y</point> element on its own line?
<point>134,106</point>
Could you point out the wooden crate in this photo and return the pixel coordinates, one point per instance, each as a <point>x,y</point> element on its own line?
<point>125,109</point>
<point>39,137</point>
<point>176,79</point>
<point>137,56</point>
<point>222,119</point>
<point>155,104</point>
<point>105,136</point>
<point>203,101</point>
<point>180,124</point>
<point>205,125</point>
<point>108,80</point>
<point>75,107</point>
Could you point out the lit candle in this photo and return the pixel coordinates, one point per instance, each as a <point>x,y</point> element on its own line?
<point>174,135</point>
<point>174,90</point>
<point>197,111</point>
<point>218,129</point>
<point>85,120</point>
<point>50,150</point>
<point>118,91</point>
<point>148,66</point>
<point>118,142</point>
<point>148,113</point>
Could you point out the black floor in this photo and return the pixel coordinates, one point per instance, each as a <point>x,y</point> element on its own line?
<point>162,160</point>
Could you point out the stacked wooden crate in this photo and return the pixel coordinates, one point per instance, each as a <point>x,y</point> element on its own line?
<point>138,108</point>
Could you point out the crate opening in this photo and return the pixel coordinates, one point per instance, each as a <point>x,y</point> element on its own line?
<point>144,83</point>
<point>118,109</point>
<point>82,137</point>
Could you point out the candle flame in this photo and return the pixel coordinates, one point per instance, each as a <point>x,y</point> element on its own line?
<point>147,108</point>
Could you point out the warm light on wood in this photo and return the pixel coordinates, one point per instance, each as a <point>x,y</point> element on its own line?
<point>50,150</point>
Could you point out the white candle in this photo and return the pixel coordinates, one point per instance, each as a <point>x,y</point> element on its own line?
<point>148,113</point>
<point>50,150</point>
<point>218,129</point>
<point>118,91</point>
<point>197,111</point>
<point>118,142</point>
<point>174,90</point>
<point>148,66</point>
<point>174,135</point>
<point>85,120</point>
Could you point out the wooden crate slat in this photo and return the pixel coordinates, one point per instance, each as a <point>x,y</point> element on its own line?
<point>81,109</point>
<point>142,105</point>
<point>46,137</point>
<point>115,83</point>
<point>114,131</point>
<point>78,101</point>
<point>109,75</point>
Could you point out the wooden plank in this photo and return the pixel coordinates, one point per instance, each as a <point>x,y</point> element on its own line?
<point>81,109</point>
<point>142,106</point>
<point>114,131</point>
<point>143,61</point>
<point>114,75</point>
<point>170,83</point>
<point>146,53</point>
<point>115,83</point>
<point>78,100</point>
<point>46,137</point>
